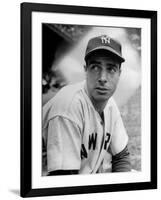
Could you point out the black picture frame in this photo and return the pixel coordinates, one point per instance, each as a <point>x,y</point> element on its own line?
<point>27,9</point>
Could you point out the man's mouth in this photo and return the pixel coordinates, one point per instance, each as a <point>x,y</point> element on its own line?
<point>101,90</point>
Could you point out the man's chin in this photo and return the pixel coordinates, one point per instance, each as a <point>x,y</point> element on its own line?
<point>102,97</point>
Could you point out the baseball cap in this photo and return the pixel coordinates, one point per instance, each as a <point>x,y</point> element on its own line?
<point>104,42</point>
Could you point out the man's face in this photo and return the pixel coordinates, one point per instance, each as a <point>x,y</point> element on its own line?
<point>102,75</point>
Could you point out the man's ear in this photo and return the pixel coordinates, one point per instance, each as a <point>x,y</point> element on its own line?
<point>85,67</point>
<point>120,71</point>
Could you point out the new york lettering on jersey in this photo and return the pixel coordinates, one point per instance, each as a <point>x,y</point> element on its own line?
<point>96,143</point>
<point>92,141</point>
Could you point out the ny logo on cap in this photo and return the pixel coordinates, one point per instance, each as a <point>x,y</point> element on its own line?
<point>105,39</point>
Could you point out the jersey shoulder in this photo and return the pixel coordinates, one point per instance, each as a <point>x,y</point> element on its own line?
<point>66,103</point>
<point>112,106</point>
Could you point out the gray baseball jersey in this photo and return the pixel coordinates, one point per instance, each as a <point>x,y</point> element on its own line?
<point>76,136</point>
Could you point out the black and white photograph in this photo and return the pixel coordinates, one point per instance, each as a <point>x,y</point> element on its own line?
<point>91,123</point>
<point>88,85</point>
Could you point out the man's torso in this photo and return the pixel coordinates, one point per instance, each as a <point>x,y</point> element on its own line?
<point>73,103</point>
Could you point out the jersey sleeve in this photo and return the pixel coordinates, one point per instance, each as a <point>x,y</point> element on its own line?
<point>63,145</point>
<point>119,138</point>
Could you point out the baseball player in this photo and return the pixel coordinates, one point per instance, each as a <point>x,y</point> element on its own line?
<point>82,126</point>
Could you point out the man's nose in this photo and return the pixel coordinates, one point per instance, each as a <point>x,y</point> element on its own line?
<point>103,77</point>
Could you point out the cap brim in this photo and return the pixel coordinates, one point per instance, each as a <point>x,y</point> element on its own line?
<point>109,49</point>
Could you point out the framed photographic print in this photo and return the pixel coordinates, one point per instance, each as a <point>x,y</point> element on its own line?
<point>88,99</point>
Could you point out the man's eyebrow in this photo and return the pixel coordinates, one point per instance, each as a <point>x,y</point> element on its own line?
<point>112,65</point>
<point>94,62</point>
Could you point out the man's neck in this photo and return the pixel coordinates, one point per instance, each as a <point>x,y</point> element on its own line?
<point>99,106</point>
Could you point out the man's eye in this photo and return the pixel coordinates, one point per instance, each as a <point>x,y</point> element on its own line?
<point>112,69</point>
<point>94,67</point>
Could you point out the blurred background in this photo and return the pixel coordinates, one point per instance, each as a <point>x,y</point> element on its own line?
<point>63,49</point>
